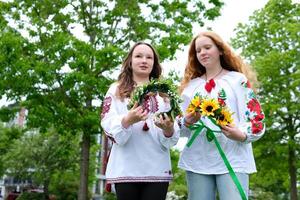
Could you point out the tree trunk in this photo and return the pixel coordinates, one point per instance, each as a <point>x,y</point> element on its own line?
<point>46,190</point>
<point>293,174</point>
<point>84,167</point>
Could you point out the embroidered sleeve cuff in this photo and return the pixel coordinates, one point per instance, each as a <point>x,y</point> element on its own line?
<point>251,137</point>
<point>121,134</point>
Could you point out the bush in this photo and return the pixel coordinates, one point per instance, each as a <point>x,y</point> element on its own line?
<point>109,196</point>
<point>31,196</point>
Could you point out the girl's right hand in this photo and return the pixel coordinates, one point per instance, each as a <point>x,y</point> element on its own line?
<point>135,114</point>
<point>191,118</point>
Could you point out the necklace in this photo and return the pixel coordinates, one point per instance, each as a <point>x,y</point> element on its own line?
<point>209,85</point>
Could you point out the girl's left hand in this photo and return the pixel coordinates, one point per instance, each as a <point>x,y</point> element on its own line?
<point>165,123</point>
<point>233,133</point>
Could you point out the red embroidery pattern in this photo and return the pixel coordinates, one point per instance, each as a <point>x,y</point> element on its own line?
<point>257,126</point>
<point>254,113</point>
<point>140,179</point>
<point>259,117</point>
<point>150,104</point>
<point>110,137</point>
<point>246,84</point>
<point>106,106</point>
<point>222,97</point>
<point>254,106</point>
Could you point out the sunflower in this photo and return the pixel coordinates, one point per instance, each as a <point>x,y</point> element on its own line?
<point>208,106</point>
<point>196,101</point>
<point>224,118</point>
<point>194,105</point>
<point>191,109</point>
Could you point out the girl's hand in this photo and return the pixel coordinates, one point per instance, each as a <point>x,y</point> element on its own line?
<point>191,118</point>
<point>165,123</point>
<point>233,133</point>
<point>135,114</point>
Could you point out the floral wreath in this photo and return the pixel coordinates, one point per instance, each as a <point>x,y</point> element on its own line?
<point>165,88</point>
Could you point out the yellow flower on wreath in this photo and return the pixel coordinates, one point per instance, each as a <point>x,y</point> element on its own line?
<point>225,117</point>
<point>208,106</point>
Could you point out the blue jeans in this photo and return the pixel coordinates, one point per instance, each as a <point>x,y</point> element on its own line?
<point>204,187</point>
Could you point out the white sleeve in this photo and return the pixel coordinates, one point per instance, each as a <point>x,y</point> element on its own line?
<point>184,131</point>
<point>168,142</point>
<point>250,113</point>
<point>111,118</point>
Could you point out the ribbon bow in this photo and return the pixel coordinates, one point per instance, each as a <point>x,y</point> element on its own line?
<point>210,85</point>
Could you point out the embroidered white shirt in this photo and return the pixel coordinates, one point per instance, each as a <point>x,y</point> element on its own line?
<point>137,155</point>
<point>203,156</point>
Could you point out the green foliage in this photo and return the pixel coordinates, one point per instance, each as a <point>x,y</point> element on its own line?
<point>61,74</point>
<point>8,113</point>
<point>109,196</point>
<point>270,41</point>
<point>175,77</point>
<point>7,138</point>
<point>65,185</point>
<point>58,59</point>
<point>41,156</point>
<point>178,184</point>
<point>31,196</point>
<point>162,87</point>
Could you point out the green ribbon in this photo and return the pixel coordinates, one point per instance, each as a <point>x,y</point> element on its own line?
<point>197,128</point>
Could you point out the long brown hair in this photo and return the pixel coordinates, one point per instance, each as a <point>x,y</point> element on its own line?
<point>126,83</point>
<point>229,60</point>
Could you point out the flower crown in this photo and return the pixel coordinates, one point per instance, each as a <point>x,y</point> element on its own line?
<point>165,88</point>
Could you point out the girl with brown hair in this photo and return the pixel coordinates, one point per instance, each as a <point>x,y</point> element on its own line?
<point>139,164</point>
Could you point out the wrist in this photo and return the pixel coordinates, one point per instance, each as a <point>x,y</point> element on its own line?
<point>125,122</point>
<point>168,132</point>
<point>244,137</point>
<point>186,123</point>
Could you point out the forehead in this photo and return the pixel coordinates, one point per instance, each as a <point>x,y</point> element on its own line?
<point>203,40</point>
<point>142,48</point>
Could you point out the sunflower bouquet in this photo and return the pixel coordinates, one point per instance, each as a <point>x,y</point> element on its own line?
<point>215,109</point>
<point>220,115</point>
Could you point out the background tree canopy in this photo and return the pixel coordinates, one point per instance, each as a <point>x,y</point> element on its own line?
<point>42,157</point>
<point>61,76</point>
<point>270,41</point>
<point>57,57</point>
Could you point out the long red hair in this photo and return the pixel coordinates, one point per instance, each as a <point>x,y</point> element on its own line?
<point>229,60</point>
